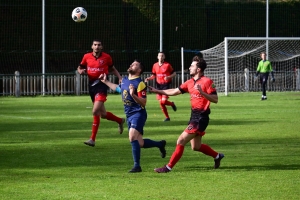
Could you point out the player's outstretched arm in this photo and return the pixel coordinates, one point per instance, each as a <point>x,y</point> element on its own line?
<point>111,85</point>
<point>168,92</point>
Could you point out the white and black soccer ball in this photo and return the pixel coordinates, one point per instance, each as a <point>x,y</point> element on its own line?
<point>79,14</point>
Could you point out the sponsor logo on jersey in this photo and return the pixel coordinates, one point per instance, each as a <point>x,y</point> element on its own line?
<point>101,62</point>
<point>92,69</point>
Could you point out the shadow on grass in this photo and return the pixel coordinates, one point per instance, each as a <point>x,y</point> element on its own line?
<point>211,122</point>
<point>246,167</point>
<point>68,127</point>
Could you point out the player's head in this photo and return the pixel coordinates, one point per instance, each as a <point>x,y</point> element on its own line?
<point>198,66</point>
<point>161,56</point>
<point>263,55</point>
<point>136,68</point>
<point>97,46</point>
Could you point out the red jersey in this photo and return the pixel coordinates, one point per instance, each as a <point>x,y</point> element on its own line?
<point>162,71</point>
<point>199,104</point>
<point>96,66</point>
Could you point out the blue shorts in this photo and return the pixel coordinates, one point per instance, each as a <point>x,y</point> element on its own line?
<point>137,121</point>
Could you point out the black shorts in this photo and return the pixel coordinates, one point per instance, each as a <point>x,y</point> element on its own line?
<point>99,88</point>
<point>164,86</point>
<point>264,77</point>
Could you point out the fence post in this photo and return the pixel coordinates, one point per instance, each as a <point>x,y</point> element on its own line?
<point>246,71</point>
<point>17,83</point>
<point>297,79</point>
<point>77,83</point>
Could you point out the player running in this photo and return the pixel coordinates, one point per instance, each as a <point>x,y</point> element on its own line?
<point>94,64</point>
<point>202,92</point>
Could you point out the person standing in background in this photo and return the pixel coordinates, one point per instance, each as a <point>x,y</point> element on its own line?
<point>163,72</point>
<point>263,69</point>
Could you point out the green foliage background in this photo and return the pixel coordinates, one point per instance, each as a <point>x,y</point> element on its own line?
<point>130,29</point>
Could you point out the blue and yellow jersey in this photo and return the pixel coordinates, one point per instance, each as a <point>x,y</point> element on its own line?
<point>130,106</point>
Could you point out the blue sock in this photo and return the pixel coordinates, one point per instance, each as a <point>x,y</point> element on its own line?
<point>136,152</point>
<point>151,143</point>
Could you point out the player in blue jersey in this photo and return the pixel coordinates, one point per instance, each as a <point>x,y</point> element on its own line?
<point>134,97</point>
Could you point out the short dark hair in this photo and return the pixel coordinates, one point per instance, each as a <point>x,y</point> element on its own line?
<point>141,65</point>
<point>97,40</point>
<point>200,62</point>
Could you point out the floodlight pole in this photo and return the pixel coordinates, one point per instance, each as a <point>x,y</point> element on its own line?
<point>161,26</point>
<point>182,65</point>
<point>43,47</point>
<point>267,29</point>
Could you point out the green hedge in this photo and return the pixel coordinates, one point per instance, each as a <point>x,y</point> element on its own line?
<point>130,29</point>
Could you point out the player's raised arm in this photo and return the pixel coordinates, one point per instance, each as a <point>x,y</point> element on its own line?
<point>210,97</point>
<point>140,97</point>
<point>111,85</point>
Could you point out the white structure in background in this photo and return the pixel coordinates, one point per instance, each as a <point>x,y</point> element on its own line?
<point>236,58</point>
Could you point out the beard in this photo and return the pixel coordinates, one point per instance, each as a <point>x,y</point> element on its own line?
<point>192,74</point>
<point>130,71</point>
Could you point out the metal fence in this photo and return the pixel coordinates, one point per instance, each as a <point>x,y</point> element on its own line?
<point>76,84</point>
<point>56,84</point>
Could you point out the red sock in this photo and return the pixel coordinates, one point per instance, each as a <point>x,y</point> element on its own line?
<point>168,103</point>
<point>176,155</point>
<point>95,127</point>
<point>112,117</point>
<point>164,109</point>
<point>207,150</point>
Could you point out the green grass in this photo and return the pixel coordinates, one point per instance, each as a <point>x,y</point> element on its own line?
<point>42,155</point>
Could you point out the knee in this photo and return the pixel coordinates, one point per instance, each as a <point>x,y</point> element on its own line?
<point>131,139</point>
<point>141,142</point>
<point>194,148</point>
<point>96,113</point>
<point>181,141</point>
<point>103,115</point>
<point>162,101</point>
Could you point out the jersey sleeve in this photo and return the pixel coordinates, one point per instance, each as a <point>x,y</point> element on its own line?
<point>184,87</point>
<point>110,63</point>
<point>210,87</point>
<point>171,70</point>
<point>142,90</point>
<point>258,67</point>
<point>270,67</point>
<point>154,69</point>
<point>83,61</point>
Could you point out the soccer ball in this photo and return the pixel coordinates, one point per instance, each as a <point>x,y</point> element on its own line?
<point>79,14</point>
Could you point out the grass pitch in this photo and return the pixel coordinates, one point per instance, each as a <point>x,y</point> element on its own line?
<point>42,155</point>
